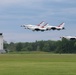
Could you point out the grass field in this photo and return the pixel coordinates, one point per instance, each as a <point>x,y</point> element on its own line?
<point>37,64</point>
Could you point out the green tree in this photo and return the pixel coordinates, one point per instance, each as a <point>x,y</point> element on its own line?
<point>19,47</point>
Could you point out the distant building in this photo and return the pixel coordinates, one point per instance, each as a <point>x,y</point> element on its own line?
<point>1,44</point>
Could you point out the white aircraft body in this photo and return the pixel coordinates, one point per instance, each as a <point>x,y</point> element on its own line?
<point>60,27</point>
<point>69,37</point>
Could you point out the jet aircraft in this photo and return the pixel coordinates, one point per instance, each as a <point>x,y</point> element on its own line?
<point>69,37</point>
<point>33,27</point>
<point>59,27</point>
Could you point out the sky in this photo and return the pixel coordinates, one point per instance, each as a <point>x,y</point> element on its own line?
<point>14,13</point>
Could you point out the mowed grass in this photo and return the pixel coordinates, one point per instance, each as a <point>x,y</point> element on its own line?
<point>37,64</point>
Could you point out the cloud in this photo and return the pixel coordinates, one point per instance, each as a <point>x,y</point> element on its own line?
<point>6,3</point>
<point>70,10</point>
<point>12,2</point>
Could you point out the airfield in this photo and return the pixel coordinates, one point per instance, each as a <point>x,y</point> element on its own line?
<point>38,64</point>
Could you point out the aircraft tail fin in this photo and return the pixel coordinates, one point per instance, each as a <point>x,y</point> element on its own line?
<point>46,24</point>
<point>61,25</point>
<point>41,23</point>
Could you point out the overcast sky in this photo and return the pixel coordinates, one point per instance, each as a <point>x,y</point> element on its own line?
<point>14,13</point>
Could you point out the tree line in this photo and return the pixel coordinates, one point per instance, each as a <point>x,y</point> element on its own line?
<point>60,46</point>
